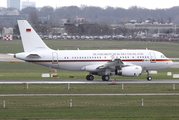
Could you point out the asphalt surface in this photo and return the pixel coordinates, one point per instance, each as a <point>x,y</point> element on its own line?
<point>85,81</point>
<point>9,57</point>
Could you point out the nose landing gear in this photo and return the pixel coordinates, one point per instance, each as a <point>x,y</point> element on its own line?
<point>149,78</point>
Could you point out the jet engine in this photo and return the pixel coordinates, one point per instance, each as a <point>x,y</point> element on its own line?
<point>129,71</point>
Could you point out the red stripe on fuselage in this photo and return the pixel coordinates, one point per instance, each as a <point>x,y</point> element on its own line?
<point>63,61</point>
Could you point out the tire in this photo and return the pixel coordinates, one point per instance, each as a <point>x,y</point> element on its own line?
<point>149,78</point>
<point>89,77</point>
<point>105,77</point>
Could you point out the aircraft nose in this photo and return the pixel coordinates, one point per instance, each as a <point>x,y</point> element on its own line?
<point>170,63</point>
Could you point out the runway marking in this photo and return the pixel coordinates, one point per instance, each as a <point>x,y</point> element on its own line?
<point>135,94</point>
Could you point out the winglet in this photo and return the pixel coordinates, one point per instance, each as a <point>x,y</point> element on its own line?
<point>30,39</point>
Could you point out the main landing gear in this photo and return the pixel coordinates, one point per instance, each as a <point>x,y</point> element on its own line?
<point>91,77</point>
<point>149,78</point>
<point>105,77</point>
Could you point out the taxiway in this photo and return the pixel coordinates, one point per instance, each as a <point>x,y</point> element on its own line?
<point>85,82</point>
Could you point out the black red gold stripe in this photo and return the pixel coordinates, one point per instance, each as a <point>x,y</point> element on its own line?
<point>63,61</point>
<point>70,61</point>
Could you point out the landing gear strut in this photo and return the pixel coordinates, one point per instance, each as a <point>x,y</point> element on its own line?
<point>89,77</point>
<point>105,77</point>
<point>149,78</point>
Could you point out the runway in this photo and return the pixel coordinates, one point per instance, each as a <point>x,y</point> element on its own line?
<point>9,57</point>
<point>86,82</point>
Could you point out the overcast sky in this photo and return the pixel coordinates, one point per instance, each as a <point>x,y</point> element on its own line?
<point>150,4</point>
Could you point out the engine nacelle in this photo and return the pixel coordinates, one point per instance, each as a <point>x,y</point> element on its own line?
<point>129,71</point>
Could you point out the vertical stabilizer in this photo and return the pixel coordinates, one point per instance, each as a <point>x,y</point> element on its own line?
<point>30,39</point>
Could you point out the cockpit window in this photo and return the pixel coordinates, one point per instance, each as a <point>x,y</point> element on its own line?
<point>162,56</point>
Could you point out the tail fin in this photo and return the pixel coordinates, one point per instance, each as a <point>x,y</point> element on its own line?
<point>30,39</point>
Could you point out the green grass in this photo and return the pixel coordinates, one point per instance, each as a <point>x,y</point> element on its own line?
<point>86,107</point>
<point>88,88</point>
<point>91,108</point>
<point>170,49</point>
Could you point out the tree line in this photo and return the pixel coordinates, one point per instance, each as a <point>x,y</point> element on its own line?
<point>98,20</point>
<point>109,15</point>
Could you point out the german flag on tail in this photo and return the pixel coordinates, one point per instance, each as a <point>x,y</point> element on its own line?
<point>28,30</point>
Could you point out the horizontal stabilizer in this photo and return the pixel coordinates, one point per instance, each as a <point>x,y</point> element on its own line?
<point>33,56</point>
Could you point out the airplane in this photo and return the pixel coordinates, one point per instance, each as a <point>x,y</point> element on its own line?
<point>105,63</point>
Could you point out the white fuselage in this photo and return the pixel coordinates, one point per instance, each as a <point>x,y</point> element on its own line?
<point>104,63</point>
<point>75,60</point>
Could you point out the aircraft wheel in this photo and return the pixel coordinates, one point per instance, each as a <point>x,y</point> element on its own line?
<point>149,78</point>
<point>105,77</point>
<point>89,77</point>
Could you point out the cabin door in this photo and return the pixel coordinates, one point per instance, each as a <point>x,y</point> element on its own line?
<point>54,58</point>
<point>152,57</point>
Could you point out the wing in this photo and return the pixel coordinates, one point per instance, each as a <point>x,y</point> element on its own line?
<point>112,63</point>
<point>101,67</point>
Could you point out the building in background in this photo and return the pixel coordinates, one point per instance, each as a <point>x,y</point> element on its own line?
<point>7,33</point>
<point>28,4</point>
<point>8,12</point>
<point>9,17</point>
<point>13,4</point>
